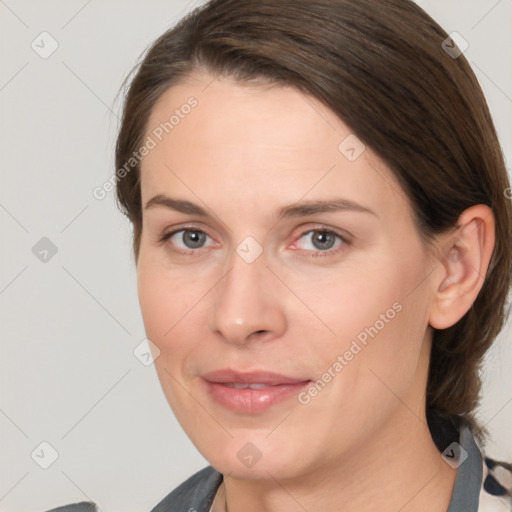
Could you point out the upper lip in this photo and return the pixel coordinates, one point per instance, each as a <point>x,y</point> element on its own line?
<point>229,376</point>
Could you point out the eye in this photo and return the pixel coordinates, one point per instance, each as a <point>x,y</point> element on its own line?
<point>322,241</point>
<point>318,242</point>
<point>185,240</point>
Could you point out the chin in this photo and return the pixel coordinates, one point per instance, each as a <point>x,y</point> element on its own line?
<point>252,457</point>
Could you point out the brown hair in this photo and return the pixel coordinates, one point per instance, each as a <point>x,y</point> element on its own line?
<point>381,67</point>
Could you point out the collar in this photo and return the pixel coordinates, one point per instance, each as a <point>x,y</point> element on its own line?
<point>466,491</point>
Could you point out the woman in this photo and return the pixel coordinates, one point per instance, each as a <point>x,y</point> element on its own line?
<point>322,237</point>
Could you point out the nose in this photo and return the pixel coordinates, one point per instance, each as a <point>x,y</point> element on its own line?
<point>248,304</point>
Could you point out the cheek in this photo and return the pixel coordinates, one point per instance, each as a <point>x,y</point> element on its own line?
<point>377,316</point>
<point>165,302</point>
<point>174,303</point>
<point>167,307</point>
<point>357,302</point>
<point>366,368</point>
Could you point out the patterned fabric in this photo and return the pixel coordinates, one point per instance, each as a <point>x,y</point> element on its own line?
<point>496,490</point>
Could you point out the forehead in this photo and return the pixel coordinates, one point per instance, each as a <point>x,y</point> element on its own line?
<point>251,112</point>
<point>249,140</point>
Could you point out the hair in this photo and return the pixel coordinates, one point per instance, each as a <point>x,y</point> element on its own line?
<point>380,66</point>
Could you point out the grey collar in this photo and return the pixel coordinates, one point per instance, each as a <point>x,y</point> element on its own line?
<point>468,482</point>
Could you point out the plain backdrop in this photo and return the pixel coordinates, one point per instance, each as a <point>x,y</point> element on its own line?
<point>69,315</point>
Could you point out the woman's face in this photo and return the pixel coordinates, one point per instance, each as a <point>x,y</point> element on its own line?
<point>282,279</point>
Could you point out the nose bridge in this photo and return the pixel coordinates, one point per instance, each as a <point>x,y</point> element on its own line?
<point>246,301</point>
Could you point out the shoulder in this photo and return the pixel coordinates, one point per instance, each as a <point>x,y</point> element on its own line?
<point>196,493</point>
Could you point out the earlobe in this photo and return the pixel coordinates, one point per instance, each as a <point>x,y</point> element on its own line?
<point>464,256</point>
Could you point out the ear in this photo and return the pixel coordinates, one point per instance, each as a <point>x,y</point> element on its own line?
<point>464,256</point>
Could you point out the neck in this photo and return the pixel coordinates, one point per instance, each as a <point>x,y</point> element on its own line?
<point>398,469</point>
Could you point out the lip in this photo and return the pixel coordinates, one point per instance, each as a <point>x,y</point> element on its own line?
<point>219,385</point>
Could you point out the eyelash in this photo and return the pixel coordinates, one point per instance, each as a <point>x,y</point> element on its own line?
<point>315,253</point>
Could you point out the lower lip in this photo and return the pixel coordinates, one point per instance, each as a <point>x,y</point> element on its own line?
<point>253,400</point>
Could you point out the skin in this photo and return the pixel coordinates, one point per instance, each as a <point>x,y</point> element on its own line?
<point>242,154</point>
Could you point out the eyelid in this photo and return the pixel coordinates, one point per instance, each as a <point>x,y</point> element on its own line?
<point>186,226</point>
<point>346,236</point>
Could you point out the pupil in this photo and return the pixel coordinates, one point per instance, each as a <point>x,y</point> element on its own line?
<point>323,240</point>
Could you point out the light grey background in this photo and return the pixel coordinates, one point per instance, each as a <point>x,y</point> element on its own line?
<point>69,326</point>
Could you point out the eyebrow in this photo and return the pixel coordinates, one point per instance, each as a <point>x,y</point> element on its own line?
<point>299,209</point>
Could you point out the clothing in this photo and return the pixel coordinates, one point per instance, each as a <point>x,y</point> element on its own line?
<point>481,484</point>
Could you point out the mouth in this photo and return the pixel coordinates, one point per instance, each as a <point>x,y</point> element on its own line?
<point>251,392</point>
